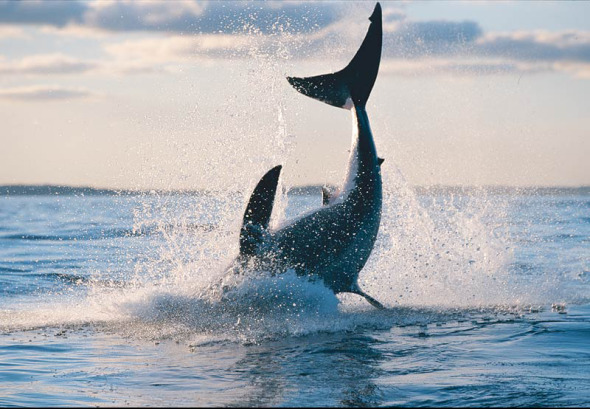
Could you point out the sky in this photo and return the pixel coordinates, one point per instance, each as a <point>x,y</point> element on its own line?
<point>192,94</point>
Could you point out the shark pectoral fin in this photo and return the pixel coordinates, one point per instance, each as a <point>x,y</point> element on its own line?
<point>325,196</point>
<point>373,302</point>
<point>355,82</point>
<point>381,160</point>
<point>258,212</point>
<point>370,299</point>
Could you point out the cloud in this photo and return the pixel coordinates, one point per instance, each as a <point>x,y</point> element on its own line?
<point>416,39</point>
<point>60,64</point>
<point>581,71</point>
<point>210,17</point>
<point>43,93</point>
<point>46,64</point>
<point>179,48</point>
<point>56,13</point>
<point>459,48</point>
<point>571,46</point>
<point>445,38</point>
<point>184,16</point>
<point>474,52</point>
<point>460,67</point>
<point>11,32</point>
<point>302,30</point>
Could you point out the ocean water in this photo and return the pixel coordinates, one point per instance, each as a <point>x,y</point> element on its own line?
<point>110,300</point>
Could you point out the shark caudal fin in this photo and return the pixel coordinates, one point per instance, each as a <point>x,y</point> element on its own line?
<point>355,82</point>
<point>258,211</point>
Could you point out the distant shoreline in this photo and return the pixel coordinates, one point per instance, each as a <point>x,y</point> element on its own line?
<point>57,190</point>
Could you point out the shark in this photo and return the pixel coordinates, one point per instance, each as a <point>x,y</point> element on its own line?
<point>334,242</point>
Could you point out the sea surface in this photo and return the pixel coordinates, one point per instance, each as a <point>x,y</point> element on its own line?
<point>109,299</point>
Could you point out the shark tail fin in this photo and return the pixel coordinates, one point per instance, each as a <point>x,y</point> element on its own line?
<point>353,84</point>
<point>258,212</point>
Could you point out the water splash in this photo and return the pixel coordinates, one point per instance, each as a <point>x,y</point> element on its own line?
<point>443,250</point>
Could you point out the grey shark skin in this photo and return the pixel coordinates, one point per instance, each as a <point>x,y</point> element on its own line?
<point>334,242</point>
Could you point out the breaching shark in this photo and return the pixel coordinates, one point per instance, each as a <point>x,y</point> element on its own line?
<point>333,242</point>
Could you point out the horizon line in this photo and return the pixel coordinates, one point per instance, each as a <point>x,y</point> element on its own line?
<point>59,189</point>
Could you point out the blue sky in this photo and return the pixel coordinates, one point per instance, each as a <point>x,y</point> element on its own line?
<point>191,94</point>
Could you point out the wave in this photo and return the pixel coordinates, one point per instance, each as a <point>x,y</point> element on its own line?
<point>108,233</point>
<point>253,309</point>
<point>15,269</point>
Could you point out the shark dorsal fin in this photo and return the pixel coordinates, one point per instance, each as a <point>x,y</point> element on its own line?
<point>258,211</point>
<point>325,196</point>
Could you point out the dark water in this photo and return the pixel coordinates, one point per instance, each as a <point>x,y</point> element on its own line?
<point>107,300</point>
